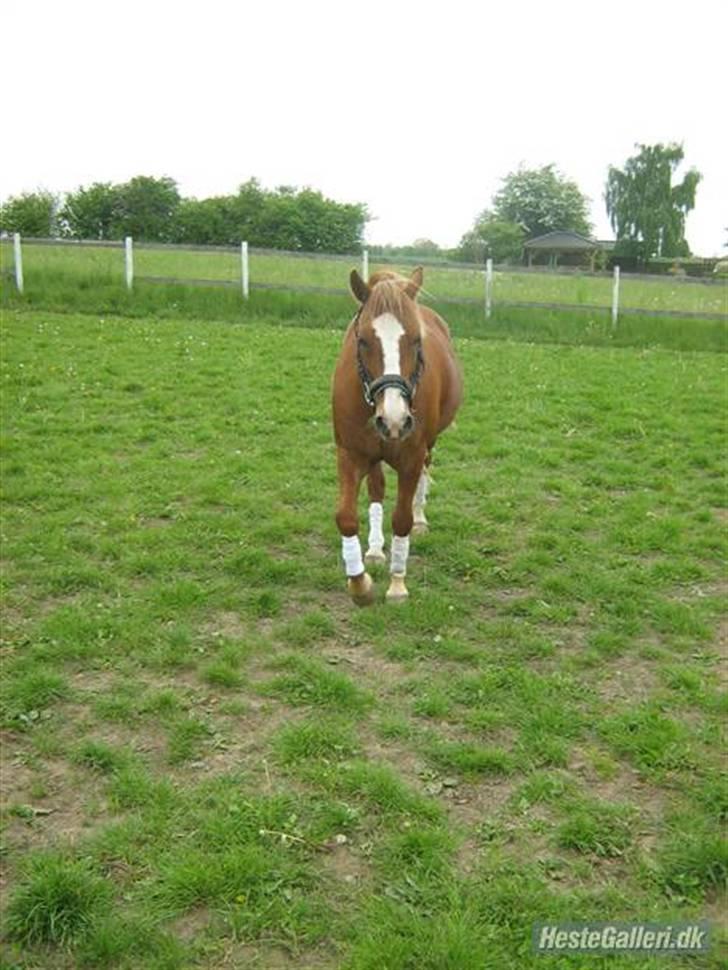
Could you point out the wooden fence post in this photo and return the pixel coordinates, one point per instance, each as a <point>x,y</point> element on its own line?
<point>488,288</point>
<point>615,297</point>
<point>129,262</point>
<point>244,270</point>
<point>18,260</point>
<point>365,265</point>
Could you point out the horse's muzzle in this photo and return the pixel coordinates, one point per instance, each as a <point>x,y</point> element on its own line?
<point>394,432</point>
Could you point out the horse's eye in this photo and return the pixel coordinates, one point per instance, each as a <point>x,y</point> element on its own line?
<point>363,344</point>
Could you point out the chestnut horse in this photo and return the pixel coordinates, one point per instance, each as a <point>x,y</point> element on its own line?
<point>397,385</point>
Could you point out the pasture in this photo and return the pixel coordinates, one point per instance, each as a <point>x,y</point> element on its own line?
<point>105,264</point>
<point>213,760</point>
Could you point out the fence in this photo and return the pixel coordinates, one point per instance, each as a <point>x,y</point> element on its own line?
<point>491,287</point>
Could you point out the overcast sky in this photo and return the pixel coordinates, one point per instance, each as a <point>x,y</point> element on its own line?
<point>416,109</point>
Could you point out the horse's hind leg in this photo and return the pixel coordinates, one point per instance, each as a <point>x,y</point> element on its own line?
<point>375,487</point>
<point>418,503</point>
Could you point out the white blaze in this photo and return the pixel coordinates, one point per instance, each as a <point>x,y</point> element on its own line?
<point>389,331</point>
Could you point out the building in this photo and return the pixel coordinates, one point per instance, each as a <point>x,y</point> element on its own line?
<point>571,245</point>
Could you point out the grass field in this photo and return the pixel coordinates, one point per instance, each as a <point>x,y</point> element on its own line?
<point>212,760</point>
<point>655,295</point>
<point>54,291</point>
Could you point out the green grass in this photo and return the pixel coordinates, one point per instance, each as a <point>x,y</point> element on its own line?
<point>56,902</point>
<point>598,828</point>
<point>217,760</point>
<point>89,279</point>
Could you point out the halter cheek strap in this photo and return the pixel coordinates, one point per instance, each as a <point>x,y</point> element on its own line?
<point>373,388</point>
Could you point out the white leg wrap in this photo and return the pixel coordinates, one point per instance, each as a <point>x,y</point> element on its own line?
<point>376,534</point>
<point>418,502</point>
<point>351,553</point>
<point>423,487</point>
<point>400,552</point>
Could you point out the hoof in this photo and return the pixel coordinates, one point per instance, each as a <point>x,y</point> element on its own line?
<point>397,592</point>
<point>361,589</point>
<point>420,528</point>
<point>374,557</point>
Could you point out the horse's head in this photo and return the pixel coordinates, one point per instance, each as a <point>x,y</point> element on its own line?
<point>388,333</point>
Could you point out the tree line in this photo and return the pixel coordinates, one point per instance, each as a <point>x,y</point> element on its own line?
<point>152,210</point>
<point>647,208</point>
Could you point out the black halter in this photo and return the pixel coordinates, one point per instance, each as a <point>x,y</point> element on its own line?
<point>373,388</point>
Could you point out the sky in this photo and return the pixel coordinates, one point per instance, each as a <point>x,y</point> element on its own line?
<point>417,110</point>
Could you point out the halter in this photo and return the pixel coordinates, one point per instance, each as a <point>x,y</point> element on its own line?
<point>373,388</point>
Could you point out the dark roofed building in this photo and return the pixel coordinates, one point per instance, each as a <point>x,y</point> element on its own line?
<point>562,242</point>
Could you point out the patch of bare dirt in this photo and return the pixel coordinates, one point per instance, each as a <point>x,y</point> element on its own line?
<point>690,592</point>
<point>398,756</point>
<point>243,742</point>
<point>257,956</point>
<point>364,664</point>
<point>191,924</point>
<point>720,641</point>
<point>470,804</point>
<point>156,522</point>
<point>471,807</point>
<point>226,624</point>
<point>346,865</point>
<point>56,803</point>
<point>629,678</point>
<point>94,680</point>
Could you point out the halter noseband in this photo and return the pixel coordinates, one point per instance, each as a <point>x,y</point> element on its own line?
<point>373,388</point>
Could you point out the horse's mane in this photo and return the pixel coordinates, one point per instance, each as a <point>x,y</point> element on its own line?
<point>387,291</point>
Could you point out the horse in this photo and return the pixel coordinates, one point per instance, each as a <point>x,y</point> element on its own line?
<point>396,386</point>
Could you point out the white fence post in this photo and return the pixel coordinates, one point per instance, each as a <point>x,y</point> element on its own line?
<point>245,270</point>
<point>18,260</point>
<point>488,287</point>
<point>129,262</point>
<point>365,265</point>
<point>615,297</point>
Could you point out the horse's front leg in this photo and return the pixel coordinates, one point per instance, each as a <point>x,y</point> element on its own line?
<point>375,486</point>
<point>359,582</point>
<point>402,520</point>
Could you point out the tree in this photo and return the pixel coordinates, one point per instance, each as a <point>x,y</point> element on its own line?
<point>245,210</point>
<point>205,222</point>
<point>306,221</point>
<point>541,200</point>
<point>146,208</point>
<point>285,218</point>
<point>91,213</point>
<point>419,248</point>
<point>646,210</point>
<point>424,246</point>
<point>30,214</point>
<point>492,238</point>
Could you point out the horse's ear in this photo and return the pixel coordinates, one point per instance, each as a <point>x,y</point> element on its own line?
<point>414,283</point>
<point>358,287</point>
